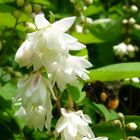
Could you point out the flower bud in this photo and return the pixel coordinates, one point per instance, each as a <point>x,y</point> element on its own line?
<point>132,126</point>
<point>89,1</point>
<point>117,123</point>
<point>121,115</point>
<point>132,138</point>
<point>89,20</point>
<point>135,80</point>
<point>124,21</point>
<point>28,8</point>
<point>134,8</point>
<point>137,26</point>
<point>37,8</point>
<point>79,28</point>
<point>20,3</point>
<point>30,26</point>
<point>16,13</point>
<point>132,21</point>
<point>124,7</point>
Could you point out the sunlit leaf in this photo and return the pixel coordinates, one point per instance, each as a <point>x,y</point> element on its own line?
<point>116,71</point>
<point>86,38</point>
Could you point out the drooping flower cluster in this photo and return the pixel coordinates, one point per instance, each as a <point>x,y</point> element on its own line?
<point>34,92</point>
<point>48,47</point>
<point>123,49</point>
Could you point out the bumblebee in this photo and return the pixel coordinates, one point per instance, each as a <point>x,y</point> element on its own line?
<point>99,92</point>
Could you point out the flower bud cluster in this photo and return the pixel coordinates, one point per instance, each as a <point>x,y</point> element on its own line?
<point>130,20</point>
<point>123,49</point>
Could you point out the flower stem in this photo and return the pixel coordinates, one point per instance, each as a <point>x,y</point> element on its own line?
<point>123,127</point>
<point>58,104</point>
<point>70,101</point>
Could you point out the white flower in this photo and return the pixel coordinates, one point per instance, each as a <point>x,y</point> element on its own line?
<point>35,117</point>
<point>121,49</point>
<point>48,36</point>
<point>34,92</point>
<point>49,46</point>
<point>74,126</point>
<point>66,70</point>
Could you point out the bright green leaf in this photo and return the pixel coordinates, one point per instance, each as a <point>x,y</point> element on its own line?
<point>106,29</point>
<point>108,114</point>
<point>86,38</point>
<point>116,72</point>
<point>8,91</point>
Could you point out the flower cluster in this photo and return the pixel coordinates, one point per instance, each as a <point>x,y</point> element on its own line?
<point>75,126</point>
<point>49,48</point>
<point>123,49</point>
<point>34,92</point>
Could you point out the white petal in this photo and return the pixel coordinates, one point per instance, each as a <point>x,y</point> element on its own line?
<point>20,112</point>
<point>101,138</point>
<point>68,38</point>
<point>86,118</point>
<point>72,129</point>
<point>35,83</point>
<point>61,124</point>
<point>90,134</point>
<point>64,24</point>
<point>65,113</point>
<point>76,46</point>
<point>40,21</point>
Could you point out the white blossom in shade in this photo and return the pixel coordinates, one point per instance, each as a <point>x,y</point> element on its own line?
<point>34,92</point>
<point>74,125</point>
<point>121,49</point>
<point>35,117</point>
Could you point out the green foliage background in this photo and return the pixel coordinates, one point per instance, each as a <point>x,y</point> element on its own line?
<point>100,35</point>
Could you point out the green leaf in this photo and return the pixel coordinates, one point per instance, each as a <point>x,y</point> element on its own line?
<point>8,91</point>
<point>6,16</point>
<point>109,130</point>
<point>135,119</point>
<point>108,114</point>
<point>76,94</point>
<point>86,38</point>
<point>106,29</point>
<point>93,9</point>
<point>116,72</point>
